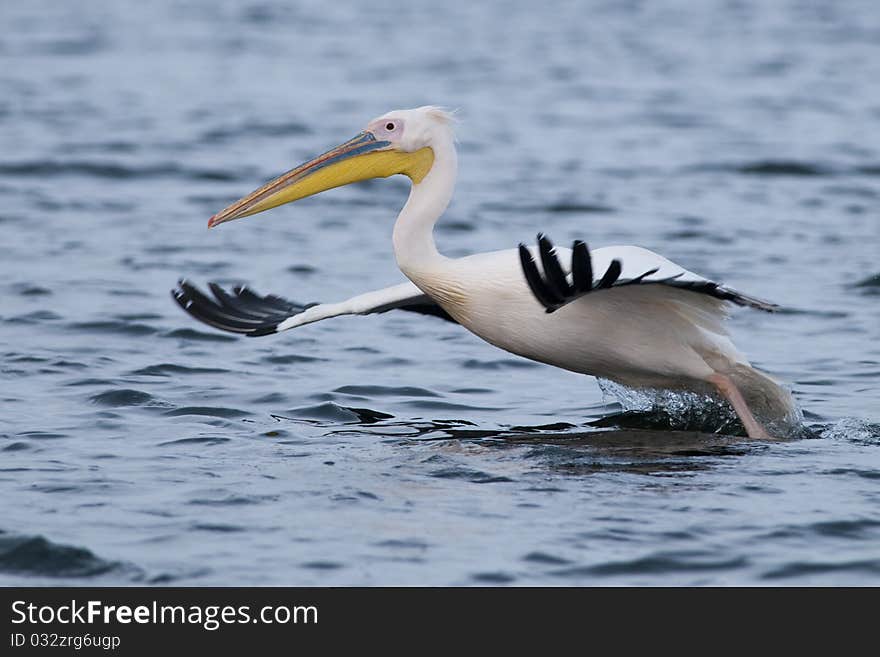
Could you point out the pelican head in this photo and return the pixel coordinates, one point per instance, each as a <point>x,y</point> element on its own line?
<point>397,142</point>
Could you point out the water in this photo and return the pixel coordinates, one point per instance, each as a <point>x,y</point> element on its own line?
<point>737,138</point>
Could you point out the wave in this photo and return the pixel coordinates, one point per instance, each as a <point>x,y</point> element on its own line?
<point>112,170</point>
<point>789,168</point>
<point>36,555</point>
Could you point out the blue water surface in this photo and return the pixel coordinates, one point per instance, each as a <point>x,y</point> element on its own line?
<point>739,139</point>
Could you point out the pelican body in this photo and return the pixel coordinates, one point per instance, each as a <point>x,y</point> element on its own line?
<point>619,312</point>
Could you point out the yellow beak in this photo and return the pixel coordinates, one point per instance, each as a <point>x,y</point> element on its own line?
<point>357,159</point>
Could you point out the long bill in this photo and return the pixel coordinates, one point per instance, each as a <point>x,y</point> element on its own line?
<point>360,158</point>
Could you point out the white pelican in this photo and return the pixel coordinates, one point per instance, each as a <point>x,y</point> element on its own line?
<point>619,312</point>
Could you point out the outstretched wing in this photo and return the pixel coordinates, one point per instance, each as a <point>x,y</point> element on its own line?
<point>592,272</point>
<point>241,310</point>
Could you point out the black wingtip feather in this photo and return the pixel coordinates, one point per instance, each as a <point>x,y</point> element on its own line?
<point>242,311</point>
<point>611,275</point>
<point>581,267</point>
<point>552,289</point>
<point>535,281</point>
<point>745,300</point>
<point>554,277</point>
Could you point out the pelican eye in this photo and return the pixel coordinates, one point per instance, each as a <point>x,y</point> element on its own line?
<point>389,126</point>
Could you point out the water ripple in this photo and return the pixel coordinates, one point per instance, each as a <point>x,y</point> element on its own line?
<point>36,555</point>
<point>209,411</point>
<point>114,171</point>
<point>171,369</point>
<point>802,569</point>
<point>659,563</point>
<point>123,397</point>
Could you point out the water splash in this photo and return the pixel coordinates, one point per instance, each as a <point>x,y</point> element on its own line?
<point>853,430</point>
<point>670,410</point>
<point>674,410</point>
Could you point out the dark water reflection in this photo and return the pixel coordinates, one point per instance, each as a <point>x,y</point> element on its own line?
<point>736,138</point>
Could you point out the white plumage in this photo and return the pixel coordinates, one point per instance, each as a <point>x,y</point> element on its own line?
<point>620,312</point>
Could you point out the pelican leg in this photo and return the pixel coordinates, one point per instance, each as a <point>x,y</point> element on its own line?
<point>730,392</point>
